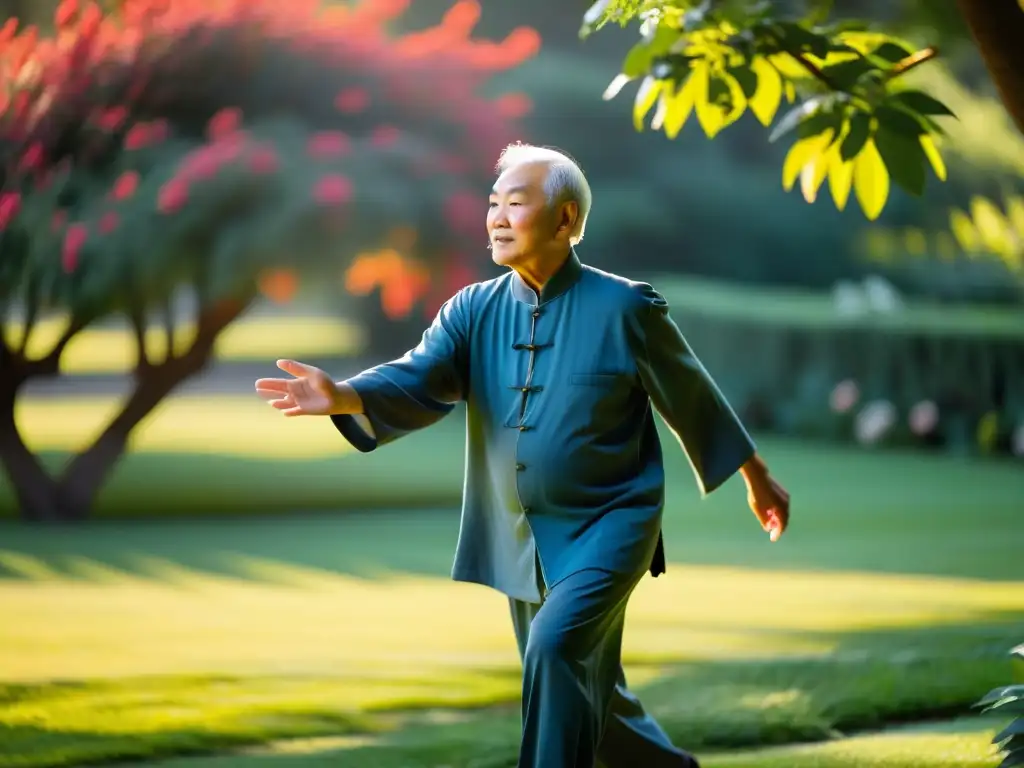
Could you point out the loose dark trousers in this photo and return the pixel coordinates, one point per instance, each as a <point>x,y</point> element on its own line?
<point>577,710</point>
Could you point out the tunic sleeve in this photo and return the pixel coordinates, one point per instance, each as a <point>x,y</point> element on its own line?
<point>415,391</point>
<point>682,391</point>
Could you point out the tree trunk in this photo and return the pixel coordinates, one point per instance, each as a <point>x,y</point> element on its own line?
<point>34,488</point>
<point>86,474</point>
<point>997,27</point>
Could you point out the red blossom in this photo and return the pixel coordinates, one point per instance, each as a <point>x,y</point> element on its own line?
<point>352,100</point>
<point>142,135</point>
<point>66,14</point>
<point>33,158</point>
<point>332,190</point>
<point>327,144</point>
<point>157,64</point>
<point>173,196</point>
<point>10,206</point>
<point>58,220</point>
<point>125,186</point>
<point>223,124</point>
<point>113,118</point>
<point>74,240</point>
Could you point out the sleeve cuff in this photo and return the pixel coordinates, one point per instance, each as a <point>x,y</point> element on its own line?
<point>717,475</point>
<point>349,428</point>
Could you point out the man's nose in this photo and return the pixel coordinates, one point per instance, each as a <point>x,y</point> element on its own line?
<point>498,217</point>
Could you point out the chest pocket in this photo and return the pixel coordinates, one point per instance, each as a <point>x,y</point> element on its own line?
<point>602,396</point>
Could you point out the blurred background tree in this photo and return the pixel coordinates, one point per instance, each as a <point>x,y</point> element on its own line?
<point>169,161</point>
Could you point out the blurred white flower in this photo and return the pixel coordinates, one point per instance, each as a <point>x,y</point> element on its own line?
<point>848,299</point>
<point>1018,440</point>
<point>923,418</point>
<point>881,295</point>
<point>873,421</point>
<point>844,396</point>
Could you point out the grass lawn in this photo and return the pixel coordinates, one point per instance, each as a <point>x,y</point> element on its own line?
<point>896,596</point>
<point>111,349</point>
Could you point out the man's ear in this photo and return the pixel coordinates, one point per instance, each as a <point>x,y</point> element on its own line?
<point>568,213</point>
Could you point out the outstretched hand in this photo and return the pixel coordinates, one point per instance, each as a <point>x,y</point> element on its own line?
<point>310,393</point>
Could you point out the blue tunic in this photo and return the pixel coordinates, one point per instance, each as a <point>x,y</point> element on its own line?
<point>563,464</point>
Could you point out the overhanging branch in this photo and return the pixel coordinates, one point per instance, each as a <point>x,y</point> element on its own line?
<point>997,27</point>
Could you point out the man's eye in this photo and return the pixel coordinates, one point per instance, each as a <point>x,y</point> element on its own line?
<point>492,204</point>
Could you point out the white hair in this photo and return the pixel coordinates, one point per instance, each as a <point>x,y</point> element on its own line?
<point>565,181</point>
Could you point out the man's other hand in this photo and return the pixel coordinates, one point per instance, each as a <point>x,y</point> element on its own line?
<point>768,500</point>
<point>310,393</point>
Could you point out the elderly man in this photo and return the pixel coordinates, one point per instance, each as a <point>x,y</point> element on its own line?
<point>558,364</point>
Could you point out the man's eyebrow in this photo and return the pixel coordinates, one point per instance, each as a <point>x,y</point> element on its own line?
<point>512,191</point>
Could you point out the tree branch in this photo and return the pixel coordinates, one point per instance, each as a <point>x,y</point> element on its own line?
<point>814,70</point>
<point>31,316</point>
<point>997,27</point>
<point>137,318</point>
<point>168,318</point>
<point>6,354</point>
<point>50,364</point>
<point>903,66</point>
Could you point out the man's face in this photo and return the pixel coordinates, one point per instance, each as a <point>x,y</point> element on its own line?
<point>520,222</point>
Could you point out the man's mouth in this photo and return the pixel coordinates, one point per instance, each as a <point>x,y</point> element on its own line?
<point>503,239</point>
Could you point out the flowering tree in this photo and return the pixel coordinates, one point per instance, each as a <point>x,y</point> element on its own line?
<point>202,144</point>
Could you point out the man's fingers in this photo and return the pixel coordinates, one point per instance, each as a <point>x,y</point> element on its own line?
<point>295,368</point>
<point>763,515</point>
<point>272,385</point>
<point>271,393</point>
<point>284,403</point>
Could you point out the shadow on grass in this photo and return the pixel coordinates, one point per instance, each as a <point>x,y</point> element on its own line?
<point>872,680</point>
<point>852,510</point>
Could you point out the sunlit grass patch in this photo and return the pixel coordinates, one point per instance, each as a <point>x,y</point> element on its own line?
<point>113,349</point>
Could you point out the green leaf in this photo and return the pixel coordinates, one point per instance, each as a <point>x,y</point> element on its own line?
<point>1015,728</point>
<point>672,66</point>
<point>920,103</point>
<point>819,123</point>
<point>646,95</point>
<point>870,181</point>
<point>904,158</point>
<point>796,39</point>
<point>594,18</point>
<point>856,137</point>
<point>642,55</point>
<point>840,180</point>
<point>1005,692</point>
<point>818,11</point>
<point>638,60</point>
<point>678,108</point>
<point>747,79</point>
<point>795,116</point>
<point>1013,760</point>
<point>765,103</point>
<point>898,121</point>
<point>934,157</point>
<point>845,74</point>
<point>891,52</point>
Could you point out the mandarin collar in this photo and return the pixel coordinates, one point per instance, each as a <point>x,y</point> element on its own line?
<point>560,282</point>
